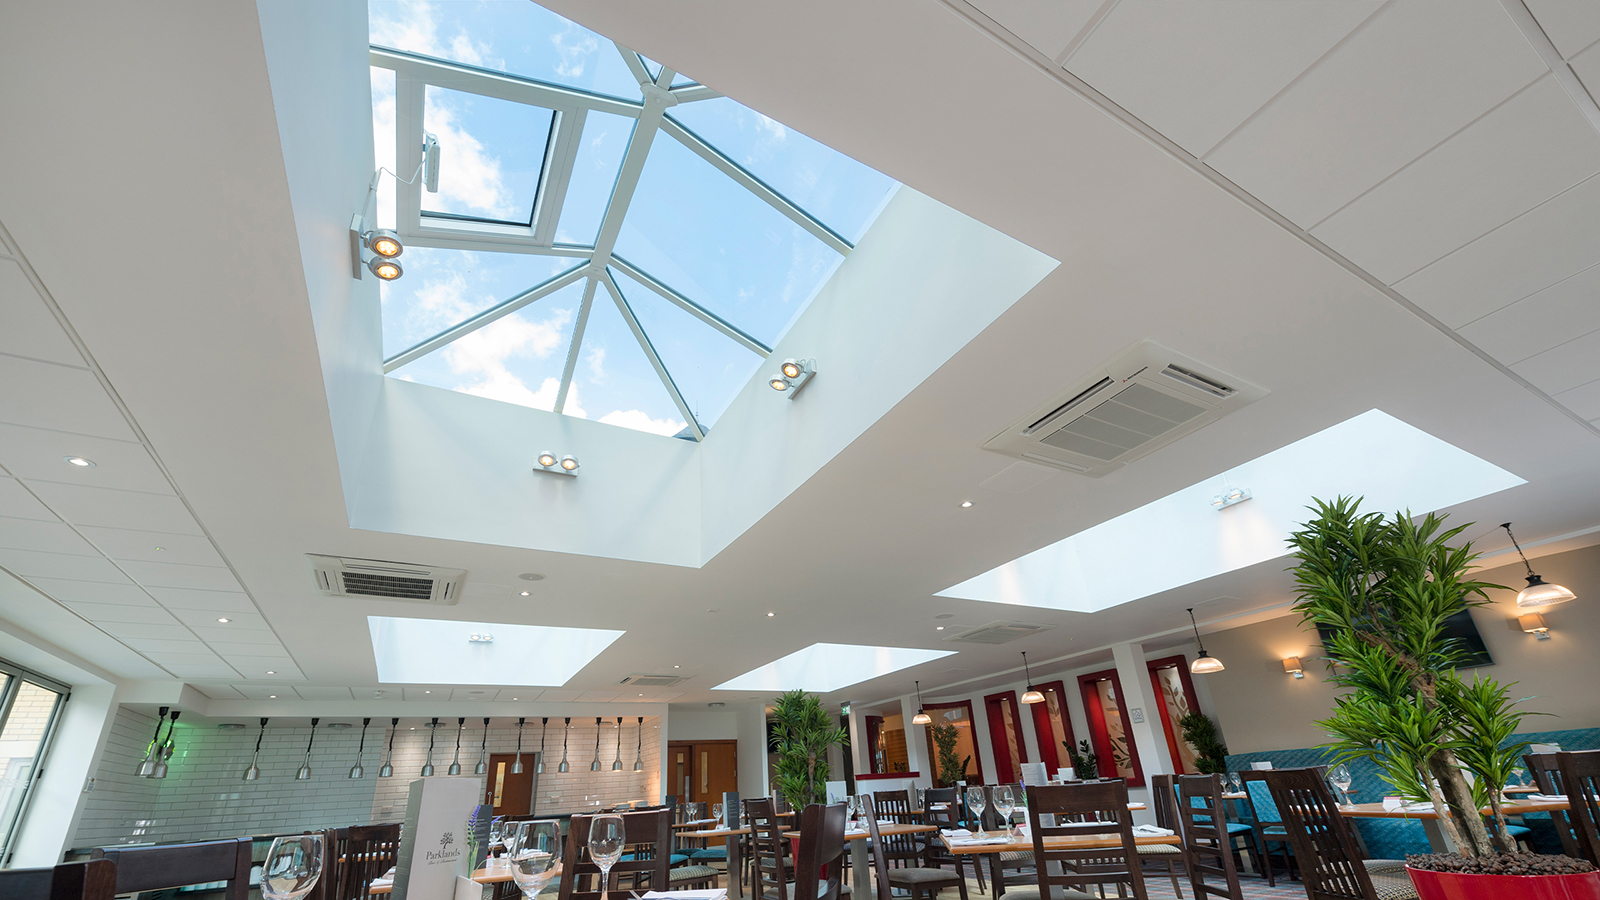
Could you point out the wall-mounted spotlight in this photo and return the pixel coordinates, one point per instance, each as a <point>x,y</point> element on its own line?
<point>549,462</point>
<point>1533,624</point>
<point>480,638</point>
<point>1229,498</point>
<point>793,375</point>
<point>384,243</point>
<point>1292,667</point>
<point>385,269</point>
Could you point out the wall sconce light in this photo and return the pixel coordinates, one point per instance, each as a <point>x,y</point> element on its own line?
<point>549,462</point>
<point>1291,665</point>
<point>793,375</point>
<point>1533,624</point>
<point>1231,497</point>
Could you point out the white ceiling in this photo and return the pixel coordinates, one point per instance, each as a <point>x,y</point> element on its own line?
<point>1355,205</point>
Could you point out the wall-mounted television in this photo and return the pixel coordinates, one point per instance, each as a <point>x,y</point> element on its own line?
<point>1459,626</point>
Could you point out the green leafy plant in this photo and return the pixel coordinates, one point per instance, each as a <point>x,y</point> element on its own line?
<point>1200,732</point>
<point>1384,587</point>
<point>1085,764</point>
<point>803,733</point>
<point>951,767</point>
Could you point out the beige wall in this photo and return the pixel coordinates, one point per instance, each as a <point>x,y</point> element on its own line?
<point>1261,708</point>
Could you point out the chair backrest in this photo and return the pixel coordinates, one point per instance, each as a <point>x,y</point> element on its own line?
<point>767,844</point>
<point>894,808</point>
<point>1323,840</point>
<point>357,855</point>
<point>821,844</point>
<point>1258,797</point>
<point>944,818</point>
<point>1580,774</point>
<point>1092,837</point>
<point>1162,796</point>
<point>180,865</point>
<point>880,862</point>
<point>1546,771</point>
<point>647,839</point>
<point>1202,819</point>
<point>92,880</point>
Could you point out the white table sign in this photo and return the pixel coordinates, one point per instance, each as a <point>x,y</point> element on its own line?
<point>435,841</point>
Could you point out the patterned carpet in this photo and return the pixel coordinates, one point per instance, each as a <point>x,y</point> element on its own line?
<point>1160,888</point>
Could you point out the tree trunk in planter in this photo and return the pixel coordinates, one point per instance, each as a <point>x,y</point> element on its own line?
<point>1446,770</point>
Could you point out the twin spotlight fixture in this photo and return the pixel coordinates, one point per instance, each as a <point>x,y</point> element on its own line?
<point>549,462</point>
<point>793,375</point>
<point>383,243</point>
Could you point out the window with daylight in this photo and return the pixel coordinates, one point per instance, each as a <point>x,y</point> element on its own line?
<point>29,707</point>
<point>609,238</point>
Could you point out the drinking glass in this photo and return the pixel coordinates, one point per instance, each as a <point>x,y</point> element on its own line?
<point>852,807</point>
<point>605,846</point>
<point>716,813</point>
<point>922,800</point>
<point>1004,803</point>
<point>534,858</point>
<point>292,867</point>
<point>1519,776</point>
<point>1238,784</point>
<point>1340,776</point>
<point>497,833</point>
<point>976,801</point>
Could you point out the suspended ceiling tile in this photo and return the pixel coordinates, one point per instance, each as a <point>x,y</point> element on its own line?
<point>559,696</point>
<point>83,505</point>
<point>210,601</point>
<point>263,692</point>
<point>145,631</point>
<point>1530,149</point>
<point>240,651</point>
<point>227,634</point>
<point>1414,75</point>
<point>1536,323</point>
<point>31,330</point>
<point>1571,25</point>
<point>472,694</point>
<point>1047,25</point>
<point>519,694</point>
<point>426,693</point>
<point>153,546</point>
<point>284,671</point>
<point>1547,244</point>
<point>154,647</point>
<point>240,623</point>
<point>37,454</point>
<point>46,395</point>
<point>1587,68</point>
<point>50,537</point>
<point>1564,367</point>
<point>69,591</point>
<point>193,670</point>
<point>598,696</point>
<point>307,692</point>
<point>31,563</point>
<point>220,691</point>
<point>1196,71</point>
<point>1583,400</point>
<point>105,612</point>
<point>19,502</point>
<point>204,578</point>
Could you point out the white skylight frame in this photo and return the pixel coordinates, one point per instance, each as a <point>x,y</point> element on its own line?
<point>1182,538</point>
<point>441,651</point>
<point>823,668</point>
<point>414,73</point>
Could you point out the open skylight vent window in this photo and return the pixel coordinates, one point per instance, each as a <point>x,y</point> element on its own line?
<point>698,227</point>
<point>382,579</point>
<point>1141,401</point>
<point>996,633</point>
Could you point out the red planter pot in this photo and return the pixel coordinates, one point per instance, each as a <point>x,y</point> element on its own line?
<point>1456,886</point>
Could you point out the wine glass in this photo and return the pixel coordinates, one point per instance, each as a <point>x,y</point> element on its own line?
<point>1238,783</point>
<point>716,813</point>
<point>534,860</point>
<point>1340,776</point>
<point>605,846</point>
<point>497,833</point>
<point>292,867</point>
<point>1004,803</point>
<point>976,801</point>
<point>1519,776</point>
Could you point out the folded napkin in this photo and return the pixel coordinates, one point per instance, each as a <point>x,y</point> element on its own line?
<point>956,833</point>
<point>976,842</point>
<point>710,894</point>
<point>1152,831</point>
<point>940,806</point>
<point>854,832</point>
<point>1549,798</point>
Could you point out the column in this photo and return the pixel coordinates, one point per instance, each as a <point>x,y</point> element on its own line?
<point>1140,718</point>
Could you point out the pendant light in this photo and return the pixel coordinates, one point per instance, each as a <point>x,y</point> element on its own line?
<point>254,772</point>
<point>564,732</point>
<point>356,771</point>
<point>1539,593</point>
<point>1204,663</point>
<point>921,718</point>
<point>455,764</point>
<point>516,764</point>
<point>1031,695</point>
<point>304,773</point>
<point>538,763</point>
<point>483,765</point>
<point>595,766</point>
<point>387,770</point>
<point>433,731</point>
<point>164,752</point>
<point>148,764</point>
<point>638,761</point>
<point>616,766</point>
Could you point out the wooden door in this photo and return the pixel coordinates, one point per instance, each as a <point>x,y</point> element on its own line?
<point>716,769</point>
<point>510,795</point>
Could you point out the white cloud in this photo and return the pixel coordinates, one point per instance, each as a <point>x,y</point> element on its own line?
<point>773,129</point>
<point>483,357</point>
<point>575,47</point>
<point>641,421</point>
<point>416,29</point>
<point>596,357</point>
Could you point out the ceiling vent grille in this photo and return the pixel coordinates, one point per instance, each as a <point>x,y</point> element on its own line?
<point>341,577</point>
<point>653,680</point>
<point>996,633</point>
<point>1141,401</point>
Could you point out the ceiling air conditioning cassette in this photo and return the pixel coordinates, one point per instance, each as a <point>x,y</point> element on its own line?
<point>344,577</point>
<point>1141,401</point>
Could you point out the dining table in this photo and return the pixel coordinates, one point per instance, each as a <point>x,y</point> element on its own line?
<point>487,875</point>
<point>1429,817</point>
<point>1051,842</point>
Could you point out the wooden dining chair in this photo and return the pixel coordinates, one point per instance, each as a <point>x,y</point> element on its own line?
<point>822,846</point>
<point>898,850</point>
<point>769,850</point>
<point>181,865</point>
<point>947,818</point>
<point>1266,825</point>
<point>920,881</point>
<point>1331,863</point>
<point>1546,772</point>
<point>1085,810</point>
<point>358,854</point>
<point>1580,775</point>
<point>1202,820</point>
<point>95,879</point>
<point>1164,801</point>
<point>647,837</point>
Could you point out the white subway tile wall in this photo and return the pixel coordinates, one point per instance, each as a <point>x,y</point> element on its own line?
<point>204,796</point>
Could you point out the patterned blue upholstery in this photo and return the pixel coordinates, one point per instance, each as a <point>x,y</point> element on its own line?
<point>709,853</point>
<point>1394,838</point>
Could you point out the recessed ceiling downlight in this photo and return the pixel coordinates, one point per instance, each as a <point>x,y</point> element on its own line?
<point>79,461</point>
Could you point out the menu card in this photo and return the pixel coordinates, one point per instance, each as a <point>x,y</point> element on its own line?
<point>435,842</point>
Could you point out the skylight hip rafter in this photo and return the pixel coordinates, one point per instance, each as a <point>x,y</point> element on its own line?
<point>492,314</point>
<point>655,360</point>
<point>700,312</point>
<point>577,342</point>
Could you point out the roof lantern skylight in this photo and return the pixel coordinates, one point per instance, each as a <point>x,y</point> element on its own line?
<point>610,239</point>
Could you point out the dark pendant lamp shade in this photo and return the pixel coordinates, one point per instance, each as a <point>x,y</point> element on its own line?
<point>433,731</point>
<point>566,730</point>
<point>595,766</point>
<point>254,772</point>
<point>1539,593</point>
<point>516,764</point>
<point>455,764</point>
<point>148,764</point>
<point>164,750</point>
<point>616,765</point>
<point>387,770</point>
<point>304,773</point>
<point>483,763</point>
<point>638,761</point>
<point>356,771</point>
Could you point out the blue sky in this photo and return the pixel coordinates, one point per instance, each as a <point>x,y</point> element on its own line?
<point>689,225</point>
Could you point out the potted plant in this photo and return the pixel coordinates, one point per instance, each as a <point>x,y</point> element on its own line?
<point>1200,732</point>
<point>1085,764</point>
<point>803,732</point>
<point>1382,589</point>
